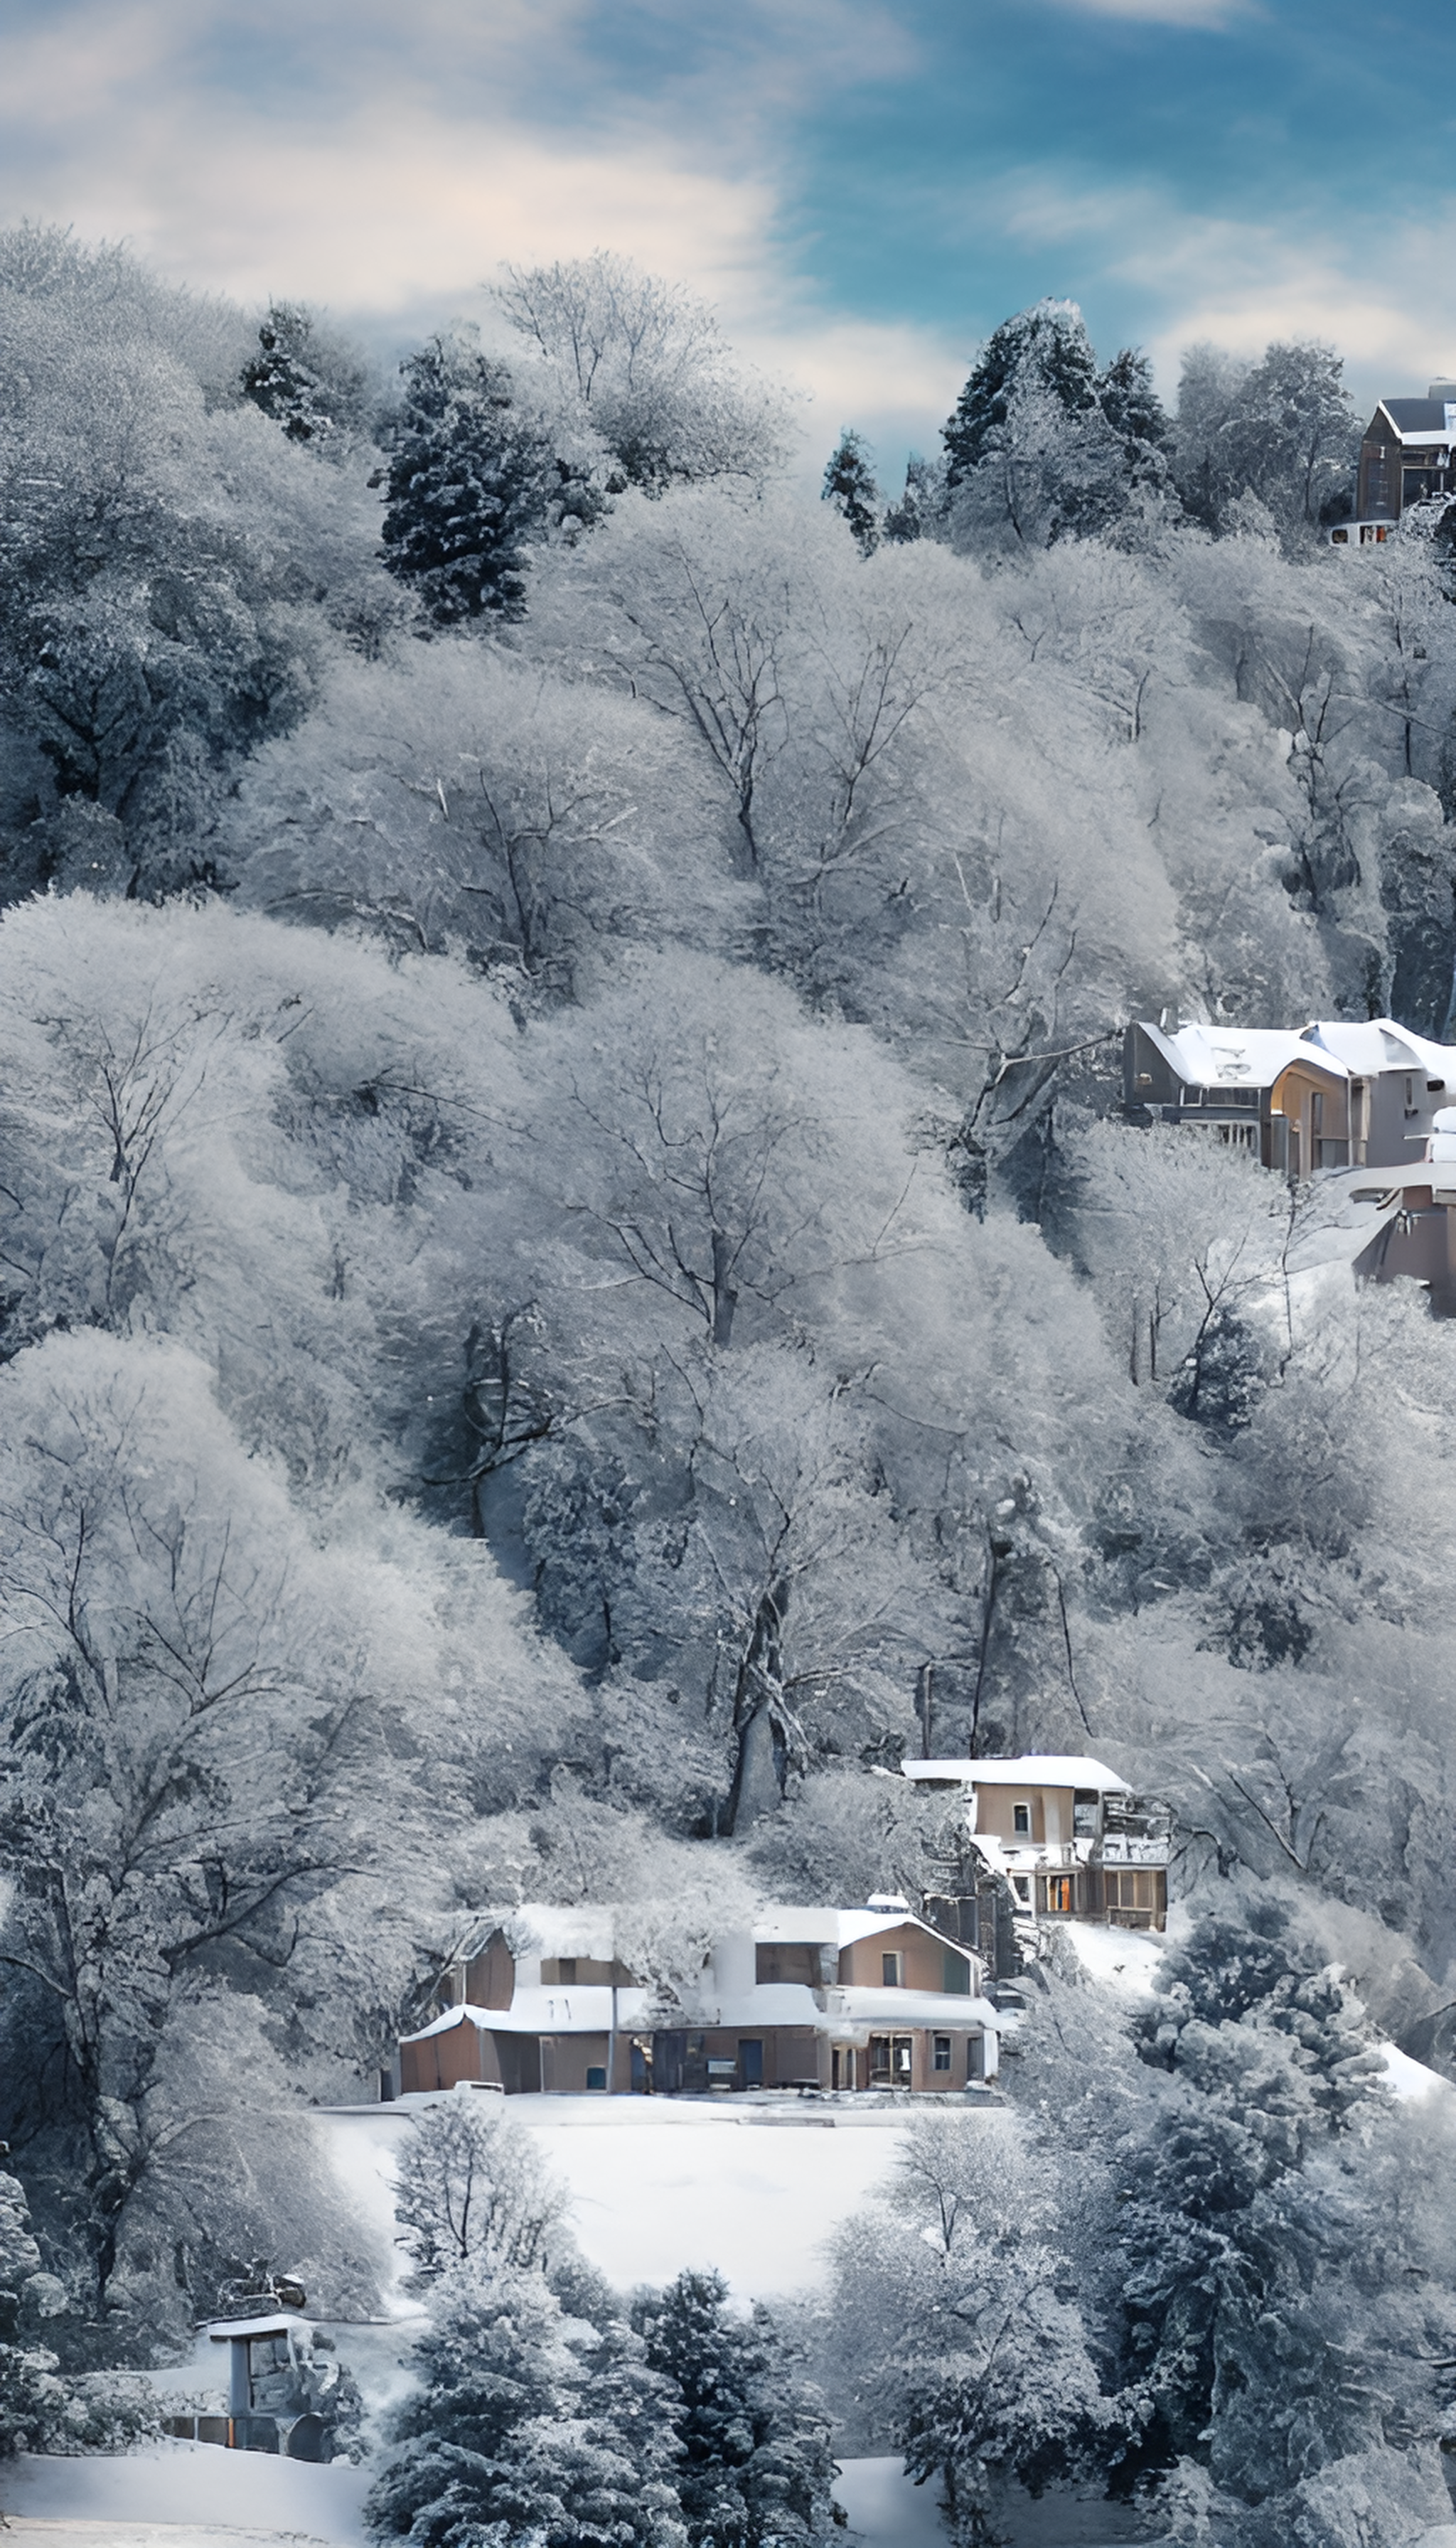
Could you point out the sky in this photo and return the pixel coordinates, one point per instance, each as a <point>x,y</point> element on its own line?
<point>863,188</point>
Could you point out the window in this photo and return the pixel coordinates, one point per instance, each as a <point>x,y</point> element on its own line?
<point>889,1971</point>
<point>1022,1886</point>
<point>942,2055</point>
<point>781,1963</point>
<point>1021,1819</point>
<point>596,2075</point>
<point>1317,1111</point>
<point>956,1983</point>
<point>1085,1801</point>
<point>892,2061</point>
<point>1059,1892</point>
<point>566,1971</point>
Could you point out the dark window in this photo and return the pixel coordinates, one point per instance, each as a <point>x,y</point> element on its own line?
<point>889,1971</point>
<point>943,2052</point>
<point>786,1963</point>
<point>595,2074</point>
<point>1021,1819</point>
<point>566,1971</point>
<point>957,1983</point>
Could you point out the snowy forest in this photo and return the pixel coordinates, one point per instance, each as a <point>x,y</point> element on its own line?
<point>573,1287</point>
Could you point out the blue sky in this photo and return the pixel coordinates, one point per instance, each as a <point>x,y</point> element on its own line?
<point>863,187</point>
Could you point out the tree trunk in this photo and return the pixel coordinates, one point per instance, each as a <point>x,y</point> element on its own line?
<point>768,1738</point>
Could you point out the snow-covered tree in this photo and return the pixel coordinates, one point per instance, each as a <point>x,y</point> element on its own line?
<point>850,485</point>
<point>309,384</point>
<point>754,2469</point>
<point>471,480</point>
<point>528,2425</point>
<point>470,2190</point>
<point>643,360</point>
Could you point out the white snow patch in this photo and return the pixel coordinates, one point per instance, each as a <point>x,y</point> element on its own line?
<point>759,2203</point>
<point>887,2507</point>
<point>1414,2081</point>
<point>656,2184</point>
<point>224,2499</point>
<point>1128,1960</point>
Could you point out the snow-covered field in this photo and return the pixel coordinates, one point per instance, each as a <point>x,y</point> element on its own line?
<point>656,2184</point>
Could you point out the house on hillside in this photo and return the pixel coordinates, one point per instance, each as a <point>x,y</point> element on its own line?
<point>1360,1107</point>
<point>1406,458</point>
<point>1071,1837</point>
<point>1303,1100</point>
<point>872,1998</point>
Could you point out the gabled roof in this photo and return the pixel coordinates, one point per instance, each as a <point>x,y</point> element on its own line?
<point>1209,1056</point>
<point>1378,1044</point>
<point>548,1929</point>
<point>1032,1770</point>
<point>813,1926</point>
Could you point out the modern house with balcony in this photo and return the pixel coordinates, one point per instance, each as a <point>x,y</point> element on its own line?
<point>1070,1836</point>
<point>541,2000</point>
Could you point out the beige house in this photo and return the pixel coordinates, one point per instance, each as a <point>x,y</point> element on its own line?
<point>1071,1837</point>
<point>1357,1105</point>
<point>815,1998</point>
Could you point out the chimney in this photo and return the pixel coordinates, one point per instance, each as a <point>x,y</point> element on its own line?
<point>1444,392</point>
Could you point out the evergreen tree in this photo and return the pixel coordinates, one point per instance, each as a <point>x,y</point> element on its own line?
<point>756,2468</point>
<point>1044,348</point>
<point>469,482</point>
<point>281,379</point>
<point>1137,416</point>
<point>910,519</point>
<point>1272,2068</point>
<point>491,2368</point>
<point>850,485</point>
<point>529,2426</point>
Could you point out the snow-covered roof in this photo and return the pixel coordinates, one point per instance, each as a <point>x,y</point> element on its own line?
<point>1033,1769</point>
<point>818,1927</point>
<point>278,2322</point>
<point>550,1929</point>
<point>1378,1044</point>
<point>1209,1056</point>
<point>566,2008</point>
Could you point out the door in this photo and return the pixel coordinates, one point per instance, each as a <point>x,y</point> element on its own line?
<point>750,2062</point>
<point>668,2054</point>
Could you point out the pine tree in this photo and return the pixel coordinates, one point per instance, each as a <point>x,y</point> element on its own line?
<point>1271,2069</point>
<point>910,519</point>
<point>280,378</point>
<point>491,2368</point>
<point>756,2468</point>
<point>469,482</point>
<point>850,485</point>
<point>1045,349</point>
<point>529,2426</point>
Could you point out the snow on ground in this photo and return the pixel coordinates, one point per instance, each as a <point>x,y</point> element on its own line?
<point>214,2498</point>
<point>657,2183</point>
<point>1410,2080</point>
<point>186,2495</point>
<point>1128,1959</point>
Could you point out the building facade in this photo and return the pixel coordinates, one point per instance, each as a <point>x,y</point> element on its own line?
<point>814,1998</point>
<point>1070,1836</point>
<point>1406,459</point>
